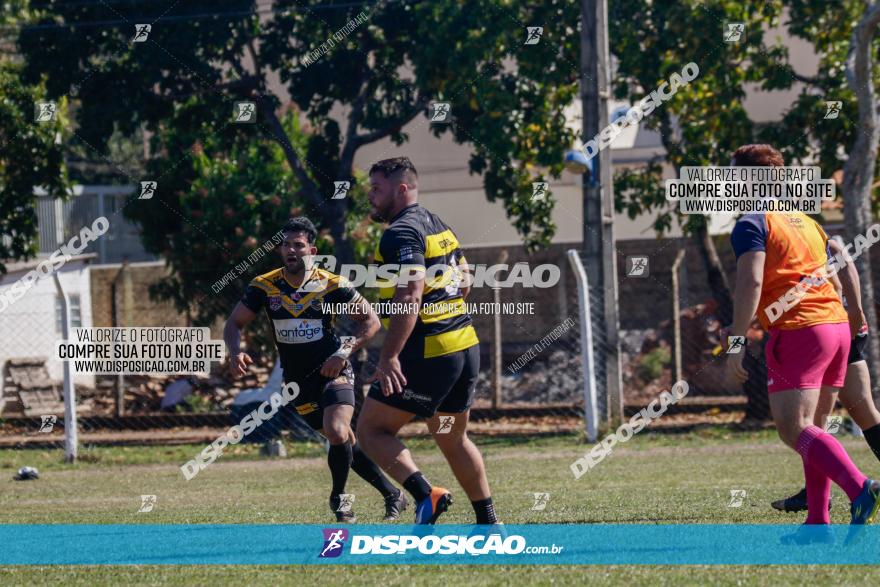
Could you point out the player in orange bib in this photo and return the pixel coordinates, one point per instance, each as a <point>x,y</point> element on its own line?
<point>778,253</point>
<point>856,393</point>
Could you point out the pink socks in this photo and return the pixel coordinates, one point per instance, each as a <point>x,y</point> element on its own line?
<point>818,495</point>
<point>825,457</point>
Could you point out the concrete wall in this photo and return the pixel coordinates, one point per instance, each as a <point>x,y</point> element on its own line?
<point>134,306</point>
<point>28,324</point>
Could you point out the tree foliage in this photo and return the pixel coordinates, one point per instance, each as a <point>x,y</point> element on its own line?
<point>703,124</point>
<point>30,157</point>
<point>705,121</point>
<point>507,98</point>
<point>31,154</point>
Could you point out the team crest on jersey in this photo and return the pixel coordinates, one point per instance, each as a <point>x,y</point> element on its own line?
<point>274,303</point>
<point>316,304</point>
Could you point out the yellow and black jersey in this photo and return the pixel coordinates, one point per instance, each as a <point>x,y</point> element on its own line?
<point>416,237</point>
<point>301,321</point>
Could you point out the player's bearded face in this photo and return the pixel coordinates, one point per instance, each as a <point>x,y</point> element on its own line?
<point>381,198</point>
<point>296,252</point>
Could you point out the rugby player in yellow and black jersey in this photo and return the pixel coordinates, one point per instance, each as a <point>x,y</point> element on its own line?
<point>294,298</point>
<point>430,358</point>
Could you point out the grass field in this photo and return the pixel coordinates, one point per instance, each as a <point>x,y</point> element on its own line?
<point>674,479</point>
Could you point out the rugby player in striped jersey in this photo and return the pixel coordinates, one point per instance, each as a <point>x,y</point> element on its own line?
<point>430,358</point>
<point>295,298</point>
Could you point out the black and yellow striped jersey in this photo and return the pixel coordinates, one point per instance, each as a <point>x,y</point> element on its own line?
<point>303,330</point>
<point>416,237</point>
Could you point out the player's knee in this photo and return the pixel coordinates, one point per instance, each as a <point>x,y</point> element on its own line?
<point>789,434</point>
<point>336,434</point>
<point>783,436</point>
<point>452,440</point>
<point>336,429</point>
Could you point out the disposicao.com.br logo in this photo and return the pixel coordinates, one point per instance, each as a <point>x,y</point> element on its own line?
<point>410,544</point>
<point>334,540</point>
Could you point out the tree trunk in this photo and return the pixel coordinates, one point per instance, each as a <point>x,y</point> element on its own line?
<point>335,213</point>
<point>715,274</point>
<point>858,173</point>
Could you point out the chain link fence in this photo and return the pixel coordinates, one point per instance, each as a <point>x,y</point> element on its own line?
<point>531,382</point>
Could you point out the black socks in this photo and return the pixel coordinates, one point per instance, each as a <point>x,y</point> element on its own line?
<point>372,474</point>
<point>485,511</point>
<point>418,486</point>
<point>339,459</point>
<point>872,437</point>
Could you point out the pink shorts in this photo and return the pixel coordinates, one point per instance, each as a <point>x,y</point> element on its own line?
<point>807,358</point>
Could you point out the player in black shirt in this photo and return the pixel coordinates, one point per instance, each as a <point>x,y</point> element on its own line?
<point>297,299</point>
<point>430,359</point>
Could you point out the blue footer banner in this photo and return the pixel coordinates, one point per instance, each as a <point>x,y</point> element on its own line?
<point>624,544</point>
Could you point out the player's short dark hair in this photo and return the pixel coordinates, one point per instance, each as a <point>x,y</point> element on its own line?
<point>758,156</point>
<point>302,224</point>
<point>388,167</point>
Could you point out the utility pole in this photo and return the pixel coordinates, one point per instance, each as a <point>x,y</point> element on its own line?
<point>598,248</point>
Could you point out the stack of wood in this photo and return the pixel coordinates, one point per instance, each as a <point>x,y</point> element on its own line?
<point>144,393</point>
<point>98,399</point>
<point>28,390</point>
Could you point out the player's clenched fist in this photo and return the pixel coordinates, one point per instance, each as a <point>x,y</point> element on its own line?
<point>240,364</point>
<point>333,366</point>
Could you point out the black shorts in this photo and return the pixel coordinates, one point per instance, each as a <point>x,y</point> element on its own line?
<point>857,348</point>
<point>318,392</point>
<point>439,384</point>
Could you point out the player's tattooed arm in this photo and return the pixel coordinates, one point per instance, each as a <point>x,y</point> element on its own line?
<point>241,316</point>
<point>368,323</point>
<point>367,326</point>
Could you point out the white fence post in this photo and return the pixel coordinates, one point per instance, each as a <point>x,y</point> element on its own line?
<point>589,368</point>
<point>70,426</point>
<point>676,313</point>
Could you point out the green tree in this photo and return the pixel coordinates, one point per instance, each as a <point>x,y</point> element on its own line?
<point>704,122</point>
<point>507,98</point>
<point>712,121</point>
<point>843,34</point>
<point>233,195</point>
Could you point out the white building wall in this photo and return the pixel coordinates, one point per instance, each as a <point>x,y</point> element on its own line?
<point>28,324</point>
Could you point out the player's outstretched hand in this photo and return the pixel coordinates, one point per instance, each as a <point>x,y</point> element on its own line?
<point>240,364</point>
<point>389,375</point>
<point>333,366</point>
